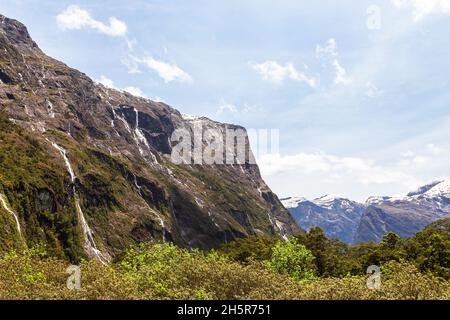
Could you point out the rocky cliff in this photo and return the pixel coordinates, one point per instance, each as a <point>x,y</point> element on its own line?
<point>87,169</point>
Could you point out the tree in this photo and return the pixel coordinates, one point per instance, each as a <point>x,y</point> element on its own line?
<point>390,240</point>
<point>249,249</point>
<point>331,258</point>
<point>436,256</point>
<point>292,258</point>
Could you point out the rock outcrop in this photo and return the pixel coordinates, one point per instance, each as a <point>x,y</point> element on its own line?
<point>118,148</point>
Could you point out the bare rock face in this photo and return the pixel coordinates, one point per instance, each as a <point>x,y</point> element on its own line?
<point>111,152</point>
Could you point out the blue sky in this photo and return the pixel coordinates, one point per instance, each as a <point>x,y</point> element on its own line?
<point>358,89</point>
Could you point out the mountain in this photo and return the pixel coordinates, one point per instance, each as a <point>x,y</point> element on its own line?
<point>354,222</point>
<point>404,215</point>
<point>88,170</point>
<point>338,217</point>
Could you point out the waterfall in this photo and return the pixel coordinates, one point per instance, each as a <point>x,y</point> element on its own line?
<point>161,222</point>
<point>141,138</point>
<point>212,219</point>
<point>8,209</point>
<point>89,243</point>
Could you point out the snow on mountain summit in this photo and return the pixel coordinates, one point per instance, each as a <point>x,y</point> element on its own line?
<point>327,201</point>
<point>424,189</point>
<point>441,189</point>
<point>292,202</point>
<point>338,217</point>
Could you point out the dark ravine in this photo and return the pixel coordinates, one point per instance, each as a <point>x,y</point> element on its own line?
<point>118,147</point>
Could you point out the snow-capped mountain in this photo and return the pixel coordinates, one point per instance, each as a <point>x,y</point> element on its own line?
<point>354,222</point>
<point>404,215</point>
<point>338,217</point>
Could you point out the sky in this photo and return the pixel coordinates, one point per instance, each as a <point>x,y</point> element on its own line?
<point>357,90</point>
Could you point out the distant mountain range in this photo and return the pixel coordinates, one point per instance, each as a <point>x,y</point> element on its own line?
<point>354,222</point>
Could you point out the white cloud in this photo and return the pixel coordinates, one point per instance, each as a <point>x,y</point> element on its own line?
<point>372,90</point>
<point>408,154</point>
<point>75,18</point>
<point>329,53</point>
<point>392,171</point>
<point>341,73</point>
<point>277,73</point>
<point>110,84</point>
<point>131,43</point>
<point>435,150</point>
<point>233,109</point>
<point>362,171</point>
<point>106,82</point>
<point>131,65</point>
<point>315,174</point>
<point>168,72</point>
<point>227,107</point>
<point>251,108</point>
<point>422,8</point>
<point>422,158</point>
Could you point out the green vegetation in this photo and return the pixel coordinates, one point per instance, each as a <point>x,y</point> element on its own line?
<point>428,251</point>
<point>36,188</point>
<point>275,269</point>
<point>293,259</point>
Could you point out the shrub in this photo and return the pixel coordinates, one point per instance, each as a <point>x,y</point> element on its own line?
<point>292,258</point>
<point>164,271</point>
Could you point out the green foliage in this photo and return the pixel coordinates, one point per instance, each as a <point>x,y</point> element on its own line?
<point>35,186</point>
<point>163,271</point>
<point>428,250</point>
<point>331,256</point>
<point>391,240</point>
<point>249,249</point>
<point>292,258</point>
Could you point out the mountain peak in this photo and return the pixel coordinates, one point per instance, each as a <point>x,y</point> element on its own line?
<point>328,197</point>
<point>337,216</point>
<point>441,189</point>
<point>436,188</point>
<point>423,189</point>
<point>116,148</point>
<point>15,32</point>
<point>292,202</point>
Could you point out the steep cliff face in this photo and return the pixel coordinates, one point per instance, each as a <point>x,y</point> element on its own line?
<point>88,169</point>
